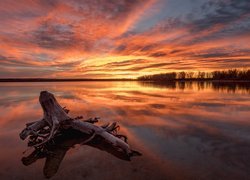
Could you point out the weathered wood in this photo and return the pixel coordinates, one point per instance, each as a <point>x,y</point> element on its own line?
<point>88,128</point>
<point>56,151</point>
<point>32,128</point>
<point>56,120</point>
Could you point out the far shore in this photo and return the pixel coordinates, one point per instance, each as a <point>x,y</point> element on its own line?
<point>57,80</point>
<point>82,80</point>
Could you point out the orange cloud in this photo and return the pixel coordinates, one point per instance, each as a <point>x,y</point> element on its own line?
<point>104,39</point>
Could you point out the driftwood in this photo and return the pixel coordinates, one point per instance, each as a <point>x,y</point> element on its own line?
<point>57,129</point>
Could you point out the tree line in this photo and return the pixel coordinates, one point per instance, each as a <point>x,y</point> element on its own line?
<point>231,74</point>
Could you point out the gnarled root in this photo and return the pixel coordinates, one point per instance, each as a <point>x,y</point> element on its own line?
<point>32,128</point>
<point>56,120</point>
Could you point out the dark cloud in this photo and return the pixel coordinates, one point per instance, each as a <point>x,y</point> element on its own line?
<point>169,24</point>
<point>176,51</point>
<point>54,36</point>
<point>66,66</point>
<point>156,65</point>
<point>125,63</point>
<point>148,47</point>
<point>115,65</point>
<point>17,64</point>
<point>225,12</point>
<point>69,64</point>
<point>120,48</point>
<point>12,61</point>
<point>219,18</point>
<point>158,54</point>
<point>113,8</point>
<point>213,55</point>
<point>220,63</point>
<point>24,72</point>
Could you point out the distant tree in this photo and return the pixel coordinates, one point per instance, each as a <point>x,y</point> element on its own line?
<point>201,75</point>
<point>189,75</point>
<point>232,74</point>
<point>182,75</point>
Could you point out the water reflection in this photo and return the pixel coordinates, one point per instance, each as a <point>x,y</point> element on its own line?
<point>229,87</point>
<point>184,130</point>
<point>56,150</point>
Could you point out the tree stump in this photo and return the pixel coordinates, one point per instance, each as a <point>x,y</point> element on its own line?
<point>56,122</point>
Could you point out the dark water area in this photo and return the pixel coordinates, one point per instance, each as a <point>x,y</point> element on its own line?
<point>185,130</point>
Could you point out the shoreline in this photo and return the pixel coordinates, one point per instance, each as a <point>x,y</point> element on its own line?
<point>96,80</point>
<point>62,80</point>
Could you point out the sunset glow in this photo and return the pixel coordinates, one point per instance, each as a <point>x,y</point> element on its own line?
<point>121,39</point>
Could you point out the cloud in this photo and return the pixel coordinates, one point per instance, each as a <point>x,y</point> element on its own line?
<point>158,54</point>
<point>125,63</point>
<point>103,38</point>
<point>54,36</point>
<point>224,13</point>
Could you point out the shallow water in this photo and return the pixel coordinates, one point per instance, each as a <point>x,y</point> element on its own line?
<point>184,130</point>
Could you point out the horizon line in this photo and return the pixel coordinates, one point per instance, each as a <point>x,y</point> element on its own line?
<point>62,79</point>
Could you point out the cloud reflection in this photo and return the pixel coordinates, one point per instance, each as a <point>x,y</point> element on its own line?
<point>175,129</point>
<point>113,39</point>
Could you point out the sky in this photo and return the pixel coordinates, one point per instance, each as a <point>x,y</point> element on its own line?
<point>121,38</point>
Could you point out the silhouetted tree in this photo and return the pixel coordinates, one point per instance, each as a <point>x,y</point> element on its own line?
<point>182,75</point>
<point>189,75</point>
<point>232,74</point>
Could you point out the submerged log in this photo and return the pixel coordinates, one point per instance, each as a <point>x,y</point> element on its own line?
<point>56,123</point>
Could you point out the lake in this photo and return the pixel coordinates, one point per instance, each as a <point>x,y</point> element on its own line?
<point>192,130</point>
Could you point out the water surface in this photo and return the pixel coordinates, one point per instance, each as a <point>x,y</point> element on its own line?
<point>184,130</point>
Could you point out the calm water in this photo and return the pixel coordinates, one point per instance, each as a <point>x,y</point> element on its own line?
<point>183,130</point>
